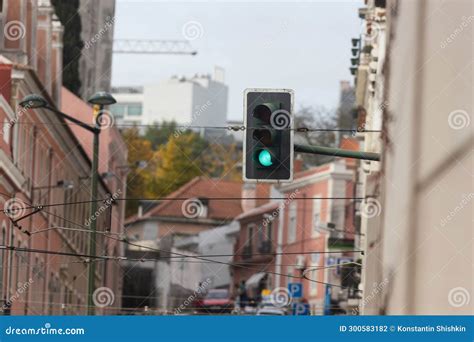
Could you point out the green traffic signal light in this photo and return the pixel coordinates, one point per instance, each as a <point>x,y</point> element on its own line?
<point>265,158</point>
<point>268,136</point>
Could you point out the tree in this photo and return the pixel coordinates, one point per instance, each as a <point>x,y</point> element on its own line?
<point>179,161</point>
<point>224,162</point>
<point>180,156</point>
<point>68,13</point>
<point>159,134</point>
<point>138,180</point>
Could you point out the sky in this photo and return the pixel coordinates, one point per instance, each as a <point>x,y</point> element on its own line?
<point>301,45</point>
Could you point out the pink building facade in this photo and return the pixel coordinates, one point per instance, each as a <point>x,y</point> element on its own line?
<point>38,152</point>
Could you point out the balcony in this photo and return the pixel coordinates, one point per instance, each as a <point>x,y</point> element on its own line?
<point>265,247</point>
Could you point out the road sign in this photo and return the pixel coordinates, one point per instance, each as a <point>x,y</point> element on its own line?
<point>300,309</point>
<point>295,290</point>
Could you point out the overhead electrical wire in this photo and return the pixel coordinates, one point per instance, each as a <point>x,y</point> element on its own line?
<point>178,255</point>
<point>40,206</point>
<point>235,128</point>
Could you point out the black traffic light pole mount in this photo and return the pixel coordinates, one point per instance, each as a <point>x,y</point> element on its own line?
<point>336,152</point>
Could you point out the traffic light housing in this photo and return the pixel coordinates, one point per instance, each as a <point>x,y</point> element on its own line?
<point>268,141</point>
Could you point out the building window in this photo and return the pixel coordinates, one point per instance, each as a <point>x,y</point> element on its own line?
<point>126,109</point>
<point>118,110</point>
<point>292,222</point>
<point>268,232</point>
<point>316,215</point>
<point>134,109</point>
<point>250,232</point>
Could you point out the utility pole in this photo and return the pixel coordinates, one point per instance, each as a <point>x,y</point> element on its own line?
<point>99,101</point>
<point>93,222</point>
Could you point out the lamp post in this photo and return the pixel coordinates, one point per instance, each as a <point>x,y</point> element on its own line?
<point>99,100</point>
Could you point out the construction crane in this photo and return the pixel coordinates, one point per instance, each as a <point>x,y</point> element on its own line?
<point>151,46</point>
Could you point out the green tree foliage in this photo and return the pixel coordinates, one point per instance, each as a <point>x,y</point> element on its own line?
<point>68,13</point>
<point>159,134</point>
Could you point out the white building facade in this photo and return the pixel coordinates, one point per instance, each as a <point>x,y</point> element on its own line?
<point>197,101</point>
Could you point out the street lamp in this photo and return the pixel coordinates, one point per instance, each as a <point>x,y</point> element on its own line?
<point>102,98</point>
<point>99,99</point>
<point>34,101</point>
<point>139,165</point>
<point>65,184</point>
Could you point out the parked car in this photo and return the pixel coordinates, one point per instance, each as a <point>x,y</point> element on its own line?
<point>218,301</point>
<point>271,311</point>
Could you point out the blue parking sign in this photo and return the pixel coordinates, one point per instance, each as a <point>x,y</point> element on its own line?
<point>295,290</point>
<point>300,309</point>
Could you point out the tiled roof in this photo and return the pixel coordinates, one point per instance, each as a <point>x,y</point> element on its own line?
<point>201,188</point>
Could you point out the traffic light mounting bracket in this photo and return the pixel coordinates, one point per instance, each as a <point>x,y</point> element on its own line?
<point>336,152</point>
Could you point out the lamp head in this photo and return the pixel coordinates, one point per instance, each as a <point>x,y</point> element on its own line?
<point>33,101</point>
<point>102,98</point>
<point>65,184</point>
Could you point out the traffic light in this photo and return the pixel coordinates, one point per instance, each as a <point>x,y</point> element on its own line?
<point>268,142</point>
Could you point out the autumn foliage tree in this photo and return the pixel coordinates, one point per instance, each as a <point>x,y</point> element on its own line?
<point>138,179</point>
<point>178,157</point>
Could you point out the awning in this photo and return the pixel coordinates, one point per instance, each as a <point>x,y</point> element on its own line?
<point>254,280</point>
